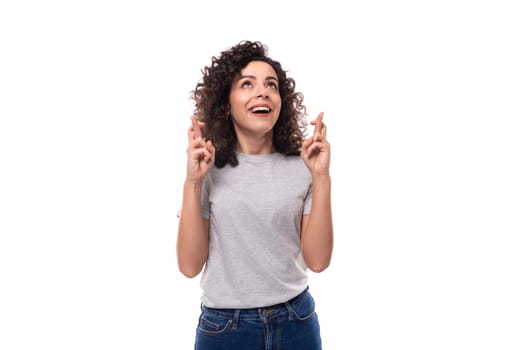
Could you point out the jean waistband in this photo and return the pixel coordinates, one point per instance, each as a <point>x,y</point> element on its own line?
<point>256,312</point>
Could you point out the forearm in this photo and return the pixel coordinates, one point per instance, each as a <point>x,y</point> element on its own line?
<point>192,239</point>
<point>317,236</point>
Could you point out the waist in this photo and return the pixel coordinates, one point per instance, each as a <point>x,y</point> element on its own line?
<point>255,313</point>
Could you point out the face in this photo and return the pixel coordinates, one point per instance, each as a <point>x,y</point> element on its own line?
<point>255,102</point>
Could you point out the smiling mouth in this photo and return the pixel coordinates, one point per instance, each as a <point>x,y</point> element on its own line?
<point>260,110</point>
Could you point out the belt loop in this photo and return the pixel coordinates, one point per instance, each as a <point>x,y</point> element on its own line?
<point>236,319</point>
<point>290,311</point>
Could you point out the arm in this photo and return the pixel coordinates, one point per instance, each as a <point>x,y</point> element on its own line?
<point>317,228</point>
<point>192,239</point>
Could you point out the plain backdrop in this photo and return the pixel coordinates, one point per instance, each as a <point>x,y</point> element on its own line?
<point>424,104</point>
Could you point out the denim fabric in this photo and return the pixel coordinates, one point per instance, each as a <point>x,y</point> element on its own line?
<point>288,326</point>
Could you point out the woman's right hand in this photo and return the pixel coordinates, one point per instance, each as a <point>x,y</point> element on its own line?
<point>201,153</point>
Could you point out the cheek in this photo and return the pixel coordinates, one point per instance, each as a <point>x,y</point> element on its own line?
<point>236,106</point>
<point>277,100</point>
<point>236,109</point>
<point>278,107</point>
<point>238,100</point>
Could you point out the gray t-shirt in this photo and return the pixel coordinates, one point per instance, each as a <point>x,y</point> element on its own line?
<point>255,211</point>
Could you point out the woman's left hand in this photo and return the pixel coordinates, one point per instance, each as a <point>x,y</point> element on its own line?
<point>315,151</point>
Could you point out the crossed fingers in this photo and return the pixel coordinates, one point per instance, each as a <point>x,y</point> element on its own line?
<point>317,142</point>
<point>198,148</point>
<point>319,128</point>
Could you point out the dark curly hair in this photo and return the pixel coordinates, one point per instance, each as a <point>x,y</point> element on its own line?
<point>211,96</point>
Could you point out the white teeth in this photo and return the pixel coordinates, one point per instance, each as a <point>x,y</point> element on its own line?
<point>261,109</point>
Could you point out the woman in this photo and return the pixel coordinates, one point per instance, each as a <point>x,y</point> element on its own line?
<point>256,211</point>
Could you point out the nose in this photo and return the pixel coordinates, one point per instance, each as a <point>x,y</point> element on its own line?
<point>262,93</point>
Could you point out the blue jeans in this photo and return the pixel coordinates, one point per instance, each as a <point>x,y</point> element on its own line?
<point>292,325</point>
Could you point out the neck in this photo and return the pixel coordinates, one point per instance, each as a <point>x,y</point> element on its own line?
<point>255,146</point>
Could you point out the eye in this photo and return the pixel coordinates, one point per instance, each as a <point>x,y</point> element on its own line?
<point>272,85</point>
<point>246,83</point>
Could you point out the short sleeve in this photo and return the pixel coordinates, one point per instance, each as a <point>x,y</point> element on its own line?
<point>205,198</point>
<point>307,208</point>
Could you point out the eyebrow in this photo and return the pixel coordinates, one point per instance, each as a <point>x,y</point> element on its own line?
<point>270,77</point>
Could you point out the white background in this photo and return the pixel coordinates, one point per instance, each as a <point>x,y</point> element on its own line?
<point>424,103</point>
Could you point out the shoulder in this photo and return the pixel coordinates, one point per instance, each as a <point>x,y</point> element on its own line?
<point>294,166</point>
<point>294,161</point>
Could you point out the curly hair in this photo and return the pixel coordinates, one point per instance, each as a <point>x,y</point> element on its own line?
<point>211,96</point>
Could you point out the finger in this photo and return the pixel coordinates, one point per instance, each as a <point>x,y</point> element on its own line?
<point>195,154</point>
<point>307,143</point>
<point>194,146</point>
<point>193,129</point>
<point>202,150</point>
<point>318,122</point>
<point>199,154</point>
<point>318,146</point>
<point>210,147</point>
<point>320,117</point>
<point>211,150</point>
<point>197,143</point>
<point>196,126</point>
<point>323,131</point>
<point>190,134</point>
<point>309,151</point>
